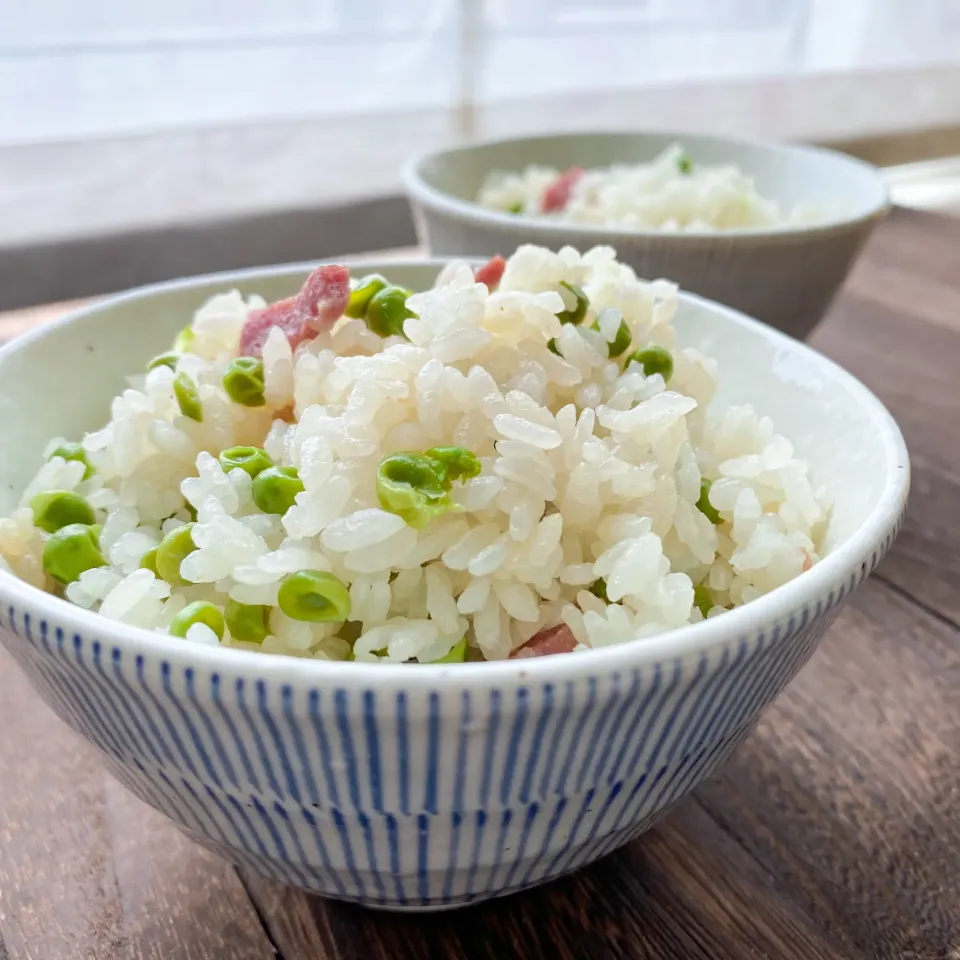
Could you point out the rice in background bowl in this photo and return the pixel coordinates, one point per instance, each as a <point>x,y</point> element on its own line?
<point>673,192</point>
<point>588,523</point>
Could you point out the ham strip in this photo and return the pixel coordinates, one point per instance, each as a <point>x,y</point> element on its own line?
<point>491,272</point>
<point>557,195</point>
<point>558,639</point>
<point>319,304</point>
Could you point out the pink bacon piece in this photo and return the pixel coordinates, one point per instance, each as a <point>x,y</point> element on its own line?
<point>557,195</point>
<point>491,272</point>
<point>319,304</point>
<point>558,639</point>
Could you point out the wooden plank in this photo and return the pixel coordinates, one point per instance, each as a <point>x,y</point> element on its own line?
<point>924,244</point>
<point>847,792</point>
<point>831,834</point>
<point>909,355</point>
<point>87,871</point>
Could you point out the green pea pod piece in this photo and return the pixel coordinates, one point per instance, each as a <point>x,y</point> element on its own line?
<point>620,342</point>
<point>411,485</point>
<point>580,307</point>
<point>275,489</point>
<point>387,310</point>
<point>350,631</point>
<point>248,622</point>
<point>172,550</point>
<point>252,460</point>
<point>702,599</point>
<point>71,551</point>
<point>59,508</point>
<point>456,463</point>
<point>75,451</point>
<point>149,561</point>
<point>188,397</point>
<point>705,506</point>
<point>164,360</point>
<point>243,381</point>
<point>362,293</point>
<point>653,359</point>
<point>198,612</point>
<point>457,654</point>
<point>314,596</point>
<point>599,589</point>
<point>184,340</point>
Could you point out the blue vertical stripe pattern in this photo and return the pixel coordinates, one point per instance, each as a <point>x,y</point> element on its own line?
<point>415,798</point>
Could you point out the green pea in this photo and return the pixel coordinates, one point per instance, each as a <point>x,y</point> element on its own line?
<point>75,451</point>
<point>248,622</point>
<point>620,342</point>
<point>456,463</point>
<point>702,599</point>
<point>164,360</point>
<point>252,460</point>
<point>314,596</point>
<point>362,293</point>
<point>411,485</point>
<point>59,508</point>
<point>198,612</point>
<point>149,561</point>
<point>275,489</point>
<point>172,550</point>
<point>184,340</point>
<point>705,506</point>
<point>70,551</point>
<point>599,589</point>
<point>387,310</point>
<point>653,359</point>
<point>457,654</point>
<point>684,164</point>
<point>243,381</point>
<point>188,397</point>
<point>579,310</point>
<point>515,207</point>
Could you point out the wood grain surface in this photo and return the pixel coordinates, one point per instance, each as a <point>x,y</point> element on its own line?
<point>834,832</point>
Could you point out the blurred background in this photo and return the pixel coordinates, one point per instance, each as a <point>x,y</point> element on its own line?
<point>144,140</point>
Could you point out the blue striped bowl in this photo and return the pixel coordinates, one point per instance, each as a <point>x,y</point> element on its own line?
<point>431,786</point>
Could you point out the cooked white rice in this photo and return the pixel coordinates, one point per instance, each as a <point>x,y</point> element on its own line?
<point>673,192</point>
<point>589,471</point>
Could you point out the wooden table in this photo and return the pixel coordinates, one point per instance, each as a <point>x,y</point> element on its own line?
<point>833,833</point>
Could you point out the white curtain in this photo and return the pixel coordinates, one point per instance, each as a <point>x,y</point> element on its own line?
<point>72,70</point>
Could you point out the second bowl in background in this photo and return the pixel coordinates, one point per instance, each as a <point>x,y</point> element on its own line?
<point>786,275</point>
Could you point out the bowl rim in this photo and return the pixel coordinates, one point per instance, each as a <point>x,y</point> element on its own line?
<point>833,570</point>
<point>539,230</point>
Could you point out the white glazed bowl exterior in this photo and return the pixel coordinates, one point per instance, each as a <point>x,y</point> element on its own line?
<point>786,277</point>
<point>430,786</point>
